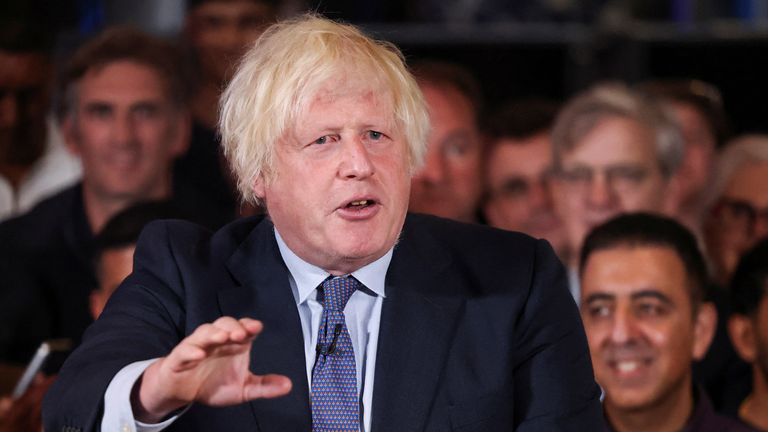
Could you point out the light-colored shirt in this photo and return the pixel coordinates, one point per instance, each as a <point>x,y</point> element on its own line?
<point>56,170</point>
<point>362,314</point>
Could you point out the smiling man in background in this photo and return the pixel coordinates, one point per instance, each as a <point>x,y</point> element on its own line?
<point>124,116</point>
<point>643,280</point>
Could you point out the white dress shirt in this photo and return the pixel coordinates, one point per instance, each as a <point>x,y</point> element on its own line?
<point>362,314</point>
<point>56,170</point>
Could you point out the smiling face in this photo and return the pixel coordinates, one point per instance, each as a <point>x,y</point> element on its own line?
<point>339,190</point>
<point>639,321</point>
<point>126,132</point>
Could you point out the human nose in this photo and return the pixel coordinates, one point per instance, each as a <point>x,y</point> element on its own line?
<point>356,161</point>
<point>9,110</point>
<point>541,195</point>
<point>123,131</point>
<point>433,170</point>
<point>761,225</point>
<point>600,192</point>
<point>623,327</point>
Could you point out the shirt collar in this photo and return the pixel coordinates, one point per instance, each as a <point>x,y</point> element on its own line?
<point>308,277</point>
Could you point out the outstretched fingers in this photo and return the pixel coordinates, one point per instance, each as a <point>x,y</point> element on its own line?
<point>266,386</point>
<point>224,332</point>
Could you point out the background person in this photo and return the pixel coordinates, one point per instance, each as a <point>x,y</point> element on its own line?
<point>738,205</point>
<point>518,170</point>
<point>450,183</point>
<point>124,115</point>
<point>749,332</point>
<point>643,284</point>
<point>614,152</point>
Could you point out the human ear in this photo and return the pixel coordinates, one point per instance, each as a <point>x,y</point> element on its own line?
<point>742,333</point>
<point>259,187</point>
<point>704,329</point>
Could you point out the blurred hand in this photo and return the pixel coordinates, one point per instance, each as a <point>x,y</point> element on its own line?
<point>210,366</point>
<point>25,413</point>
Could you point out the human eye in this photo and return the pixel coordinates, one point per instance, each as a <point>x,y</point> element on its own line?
<point>98,111</point>
<point>628,174</point>
<point>650,309</point>
<point>599,310</point>
<point>325,139</point>
<point>375,135</point>
<point>576,175</point>
<point>213,22</point>
<point>514,187</point>
<point>146,111</point>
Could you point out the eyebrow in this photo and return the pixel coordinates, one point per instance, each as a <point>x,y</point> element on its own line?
<point>639,295</point>
<point>599,297</point>
<point>650,293</point>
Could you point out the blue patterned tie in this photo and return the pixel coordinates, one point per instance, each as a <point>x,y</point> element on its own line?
<point>334,379</point>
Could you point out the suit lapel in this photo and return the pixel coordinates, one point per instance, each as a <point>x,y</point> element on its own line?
<point>417,326</point>
<point>264,293</point>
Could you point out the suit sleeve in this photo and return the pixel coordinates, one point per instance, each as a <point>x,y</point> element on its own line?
<point>143,320</point>
<point>555,389</point>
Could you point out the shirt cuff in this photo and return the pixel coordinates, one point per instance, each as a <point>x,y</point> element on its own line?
<point>118,413</point>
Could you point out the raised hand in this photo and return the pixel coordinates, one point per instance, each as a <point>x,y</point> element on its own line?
<point>209,366</point>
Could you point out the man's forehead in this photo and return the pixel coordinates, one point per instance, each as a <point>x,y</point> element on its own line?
<point>635,271</point>
<point>20,69</point>
<point>124,78</point>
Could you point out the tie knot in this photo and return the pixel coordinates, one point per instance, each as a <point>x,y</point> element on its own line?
<point>337,291</point>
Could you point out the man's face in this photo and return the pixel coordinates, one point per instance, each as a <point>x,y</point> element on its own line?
<point>114,265</point>
<point>449,184</point>
<point>517,177</point>
<point>740,217</point>
<point>220,31</point>
<point>126,131</point>
<point>24,90</point>
<point>699,152</point>
<point>639,322</point>
<point>749,334</point>
<point>341,178</point>
<point>613,169</point>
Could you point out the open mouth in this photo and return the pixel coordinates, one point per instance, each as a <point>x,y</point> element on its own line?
<point>360,204</point>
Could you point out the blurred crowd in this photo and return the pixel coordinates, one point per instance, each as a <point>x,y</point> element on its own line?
<point>658,213</point>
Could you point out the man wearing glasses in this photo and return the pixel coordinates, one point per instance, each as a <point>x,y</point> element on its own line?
<point>518,167</point>
<point>614,151</point>
<point>738,216</point>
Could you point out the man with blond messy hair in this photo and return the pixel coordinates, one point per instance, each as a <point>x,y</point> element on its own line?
<point>337,311</point>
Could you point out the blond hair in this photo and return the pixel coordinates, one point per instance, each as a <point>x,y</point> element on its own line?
<point>280,74</point>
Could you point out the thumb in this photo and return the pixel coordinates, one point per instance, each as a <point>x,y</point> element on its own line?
<point>266,386</point>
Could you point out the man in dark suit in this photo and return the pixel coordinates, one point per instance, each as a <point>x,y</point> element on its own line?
<point>368,319</point>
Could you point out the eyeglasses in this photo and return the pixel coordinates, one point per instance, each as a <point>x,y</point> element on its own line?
<point>739,215</point>
<point>519,187</point>
<point>619,178</point>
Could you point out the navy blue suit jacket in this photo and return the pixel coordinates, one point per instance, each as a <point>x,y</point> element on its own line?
<point>478,331</point>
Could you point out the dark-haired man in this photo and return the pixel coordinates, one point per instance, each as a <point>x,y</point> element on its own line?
<point>34,163</point>
<point>449,184</point>
<point>643,281</point>
<point>748,328</point>
<point>518,166</point>
<point>218,33</point>
<point>124,115</point>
